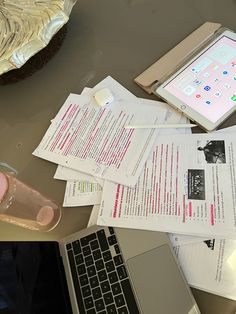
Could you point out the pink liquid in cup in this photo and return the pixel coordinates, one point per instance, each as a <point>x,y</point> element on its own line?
<point>22,205</point>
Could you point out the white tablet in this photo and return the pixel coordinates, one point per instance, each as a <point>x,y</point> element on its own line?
<point>204,88</point>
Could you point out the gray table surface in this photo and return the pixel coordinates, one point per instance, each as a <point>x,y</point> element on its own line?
<point>105,37</point>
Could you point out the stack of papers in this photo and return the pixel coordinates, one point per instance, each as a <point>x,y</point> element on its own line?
<point>163,180</point>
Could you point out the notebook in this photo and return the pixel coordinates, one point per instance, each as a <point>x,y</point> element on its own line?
<point>105,270</point>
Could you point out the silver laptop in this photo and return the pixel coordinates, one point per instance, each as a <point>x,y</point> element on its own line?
<point>115,270</point>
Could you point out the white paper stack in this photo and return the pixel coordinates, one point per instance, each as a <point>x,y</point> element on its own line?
<point>162,180</point>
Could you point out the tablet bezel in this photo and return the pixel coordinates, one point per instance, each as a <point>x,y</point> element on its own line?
<point>178,104</point>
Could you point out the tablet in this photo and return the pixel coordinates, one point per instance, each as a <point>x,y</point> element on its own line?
<point>204,88</point>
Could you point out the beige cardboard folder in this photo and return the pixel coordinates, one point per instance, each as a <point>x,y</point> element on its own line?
<point>166,64</point>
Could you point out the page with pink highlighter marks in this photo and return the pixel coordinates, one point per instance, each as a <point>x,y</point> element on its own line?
<point>187,186</point>
<point>92,139</point>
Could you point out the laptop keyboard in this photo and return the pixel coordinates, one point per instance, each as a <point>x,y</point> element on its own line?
<point>99,274</point>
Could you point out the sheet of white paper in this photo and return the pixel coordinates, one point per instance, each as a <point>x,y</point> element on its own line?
<point>67,174</point>
<point>120,93</point>
<point>93,216</point>
<point>228,129</point>
<point>74,197</point>
<point>93,140</point>
<point>180,190</point>
<point>178,239</point>
<point>80,193</point>
<point>210,266</point>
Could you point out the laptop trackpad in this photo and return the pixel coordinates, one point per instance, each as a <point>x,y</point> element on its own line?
<point>158,283</point>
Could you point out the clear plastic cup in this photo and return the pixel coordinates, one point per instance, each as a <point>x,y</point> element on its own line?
<point>22,205</point>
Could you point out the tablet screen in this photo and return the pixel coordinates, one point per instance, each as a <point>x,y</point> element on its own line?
<point>208,83</point>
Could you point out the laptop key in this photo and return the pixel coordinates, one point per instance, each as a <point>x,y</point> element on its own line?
<point>121,272</point>
<point>99,305</point>
<point>83,280</point>
<point>94,245</point>
<point>123,310</point>
<point>118,260</point>
<point>94,282</point>
<point>68,246</point>
<point>112,240</point>
<point>89,260</point>
<point>117,249</point>
<point>91,271</point>
<point>113,277</point>
<point>116,288</point>
<point>102,240</point>
<point>97,293</point>
<point>107,256</point>
<point>88,302</point>
<point>111,230</point>
<point>79,259</point>
<point>110,266</point>
<point>97,254</point>
<point>119,300</point>
<point>86,250</point>
<point>129,296</point>
<point>99,264</point>
<point>81,269</point>
<point>86,291</point>
<point>102,275</point>
<point>111,309</point>
<point>76,247</point>
<point>108,298</point>
<point>105,286</point>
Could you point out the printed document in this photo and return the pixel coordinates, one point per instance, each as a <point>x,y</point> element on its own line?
<point>210,266</point>
<point>120,93</point>
<point>93,140</point>
<point>79,193</point>
<point>82,197</point>
<point>187,186</point>
<point>64,173</point>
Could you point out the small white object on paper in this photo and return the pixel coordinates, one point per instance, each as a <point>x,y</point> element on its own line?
<point>80,193</point>
<point>210,266</point>
<point>104,97</point>
<point>181,189</point>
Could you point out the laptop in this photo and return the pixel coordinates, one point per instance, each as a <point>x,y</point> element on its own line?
<point>103,270</point>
